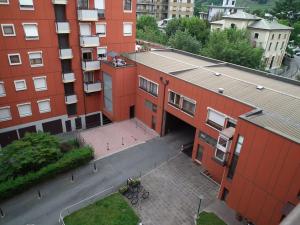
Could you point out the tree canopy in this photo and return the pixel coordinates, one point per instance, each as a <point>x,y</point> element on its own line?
<point>183,40</point>
<point>233,46</point>
<point>287,9</point>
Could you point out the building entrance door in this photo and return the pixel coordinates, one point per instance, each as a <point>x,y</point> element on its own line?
<point>132,111</point>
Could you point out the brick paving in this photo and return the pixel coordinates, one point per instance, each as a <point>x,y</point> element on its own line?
<point>174,189</point>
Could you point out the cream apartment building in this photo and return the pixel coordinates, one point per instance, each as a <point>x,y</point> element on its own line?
<point>163,9</point>
<point>271,36</point>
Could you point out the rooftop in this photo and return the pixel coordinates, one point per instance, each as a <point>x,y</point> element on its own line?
<point>269,25</point>
<point>242,16</point>
<point>279,98</point>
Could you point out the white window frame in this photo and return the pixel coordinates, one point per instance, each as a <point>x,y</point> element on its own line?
<point>44,100</point>
<point>31,38</point>
<point>8,35</point>
<point>221,148</point>
<point>207,118</point>
<point>26,8</point>
<point>8,118</point>
<point>101,23</point>
<point>148,86</point>
<point>5,3</point>
<point>127,34</point>
<point>36,65</point>
<point>85,24</point>
<point>102,47</point>
<point>13,54</point>
<point>127,11</point>
<point>40,89</point>
<point>22,89</point>
<point>3,88</point>
<point>180,106</point>
<point>23,104</point>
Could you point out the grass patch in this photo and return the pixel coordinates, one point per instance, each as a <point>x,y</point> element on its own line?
<point>206,218</point>
<point>112,210</point>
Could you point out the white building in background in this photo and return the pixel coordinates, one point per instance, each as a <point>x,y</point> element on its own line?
<point>181,8</point>
<point>215,12</point>
<point>271,36</point>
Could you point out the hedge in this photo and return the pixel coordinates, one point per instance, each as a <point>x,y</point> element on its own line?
<point>69,161</point>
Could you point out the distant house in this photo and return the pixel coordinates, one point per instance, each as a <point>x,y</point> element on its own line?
<point>215,12</point>
<point>271,36</point>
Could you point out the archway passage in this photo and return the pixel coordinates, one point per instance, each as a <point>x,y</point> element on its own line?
<point>182,132</point>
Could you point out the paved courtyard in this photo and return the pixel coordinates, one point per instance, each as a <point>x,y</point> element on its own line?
<point>174,189</point>
<point>117,136</point>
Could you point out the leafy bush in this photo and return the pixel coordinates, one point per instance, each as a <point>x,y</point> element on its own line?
<point>68,161</point>
<point>28,154</point>
<point>65,147</point>
<point>184,41</point>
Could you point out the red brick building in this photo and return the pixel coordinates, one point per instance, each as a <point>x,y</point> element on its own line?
<point>244,125</point>
<point>51,51</point>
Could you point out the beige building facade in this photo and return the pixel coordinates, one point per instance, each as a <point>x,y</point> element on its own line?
<point>271,36</point>
<point>163,9</point>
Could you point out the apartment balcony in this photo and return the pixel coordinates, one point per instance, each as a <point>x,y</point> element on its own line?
<point>92,87</point>
<point>60,2</point>
<point>65,53</point>
<point>62,28</point>
<point>90,65</point>
<point>68,77</point>
<point>71,99</point>
<point>88,15</point>
<point>89,41</point>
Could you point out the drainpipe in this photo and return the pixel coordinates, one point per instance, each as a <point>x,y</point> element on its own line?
<point>162,128</point>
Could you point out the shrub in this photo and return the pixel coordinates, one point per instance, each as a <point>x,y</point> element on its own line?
<point>69,161</point>
<point>123,189</point>
<point>65,147</point>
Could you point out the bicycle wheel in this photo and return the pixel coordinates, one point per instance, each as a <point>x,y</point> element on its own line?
<point>129,195</point>
<point>134,201</point>
<point>145,194</point>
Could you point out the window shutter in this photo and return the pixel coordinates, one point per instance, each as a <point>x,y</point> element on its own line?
<point>85,29</point>
<point>25,110</point>
<point>5,114</point>
<point>31,30</point>
<point>44,106</point>
<point>101,51</point>
<point>35,55</point>
<point>127,28</point>
<point>40,83</point>
<point>216,118</point>
<point>2,89</point>
<point>101,28</point>
<point>26,2</point>
<point>99,4</point>
<point>20,85</point>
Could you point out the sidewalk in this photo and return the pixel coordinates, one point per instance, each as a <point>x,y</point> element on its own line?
<point>223,212</point>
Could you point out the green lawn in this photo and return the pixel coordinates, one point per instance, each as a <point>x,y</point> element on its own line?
<point>206,218</point>
<point>112,210</point>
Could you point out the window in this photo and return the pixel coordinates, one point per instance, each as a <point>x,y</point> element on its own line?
<point>4,2</point>
<point>285,35</point>
<point>208,139</point>
<point>101,29</point>
<point>273,35</point>
<point>31,31</point>
<point>72,109</point>
<point>174,99</point>
<point>5,113</point>
<point>24,109</point>
<point>233,26</point>
<point>199,153</point>
<point>282,44</point>
<point>102,53</point>
<point>36,59</point>
<point>220,155</point>
<point>20,85</point>
<point>85,29</point>
<point>185,104</point>
<point>223,145</point>
<point>151,106</point>
<point>279,36</point>
<point>40,83</point>
<point>14,59</point>
<point>8,30</point>
<point>256,35</point>
<point>44,106</point>
<point>148,86</point>
<point>276,46</point>
<point>26,4</point>
<point>127,5</point>
<point>127,29</point>
<point>2,89</point>
<point>270,46</point>
<point>235,158</point>
<point>216,119</point>
<point>188,106</point>
<point>107,89</point>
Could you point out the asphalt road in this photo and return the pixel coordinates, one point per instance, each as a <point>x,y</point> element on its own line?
<point>60,192</point>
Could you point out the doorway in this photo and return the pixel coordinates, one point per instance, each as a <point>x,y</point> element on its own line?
<point>132,112</point>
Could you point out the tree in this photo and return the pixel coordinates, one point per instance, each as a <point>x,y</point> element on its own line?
<point>184,41</point>
<point>146,22</point>
<point>287,9</point>
<point>233,46</point>
<point>296,33</point>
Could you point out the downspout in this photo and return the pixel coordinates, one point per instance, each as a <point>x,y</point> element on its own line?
<point>162,128</point>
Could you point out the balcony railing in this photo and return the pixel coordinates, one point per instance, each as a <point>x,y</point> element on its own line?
<point>90,65</point>
<point>62,27</point>
<point>89,41</point>
<point>68,77</point>
<point>60,2</point>
<point>65,53</point>
<point>71,99</point>
<point>92,87</point>
<point>87,14</point>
